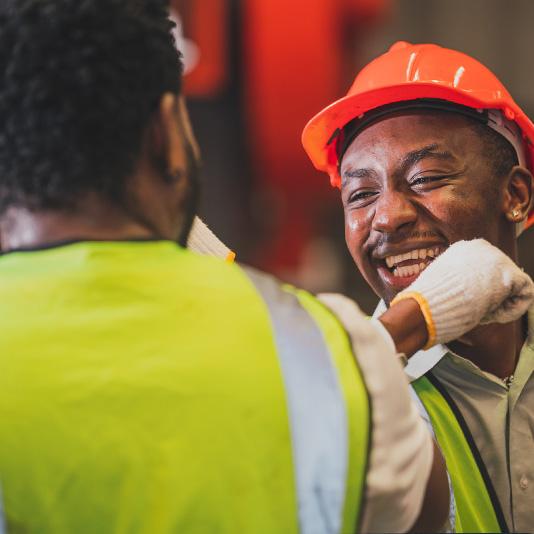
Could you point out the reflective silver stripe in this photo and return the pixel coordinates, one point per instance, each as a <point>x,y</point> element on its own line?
<point>316,408</point>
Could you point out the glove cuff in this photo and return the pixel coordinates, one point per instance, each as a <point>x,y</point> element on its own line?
<point>425,310</point>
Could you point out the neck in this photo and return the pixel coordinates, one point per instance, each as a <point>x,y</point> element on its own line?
<point>95,220</point>
<point>494,347</point>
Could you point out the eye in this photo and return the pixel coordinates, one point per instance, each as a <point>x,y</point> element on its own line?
<point>361,197</point>
<point>425,180</point>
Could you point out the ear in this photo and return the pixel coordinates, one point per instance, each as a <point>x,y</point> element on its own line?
<point>517,194</point>
<point>166,139</point>
<point>185,123</point>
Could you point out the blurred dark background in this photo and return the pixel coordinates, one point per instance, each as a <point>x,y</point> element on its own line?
<point>257,70</point>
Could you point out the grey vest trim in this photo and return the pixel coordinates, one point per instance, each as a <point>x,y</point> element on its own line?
<point>2,522</point>
<point>316,406</point>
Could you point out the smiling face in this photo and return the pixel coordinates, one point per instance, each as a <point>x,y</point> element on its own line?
<point>411,185</point>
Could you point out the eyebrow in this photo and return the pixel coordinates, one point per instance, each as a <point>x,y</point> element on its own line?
<point>429,151</point>
<point>351,174</point>
<point>409,160</point>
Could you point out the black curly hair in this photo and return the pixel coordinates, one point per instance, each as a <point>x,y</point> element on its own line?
<point>79,81</point>
<point>501,155</point>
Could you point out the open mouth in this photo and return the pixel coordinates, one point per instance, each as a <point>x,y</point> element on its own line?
<point>410,264</point>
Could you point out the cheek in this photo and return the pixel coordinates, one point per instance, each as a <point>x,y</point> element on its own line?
<point>358,222</point>
<point>461,214</point>
<point>354,228</point>
<point>353,225</point>
<point>357,228</point>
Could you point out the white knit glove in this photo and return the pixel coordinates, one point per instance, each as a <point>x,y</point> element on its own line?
<point>203,241</point>
<point>471,283</point>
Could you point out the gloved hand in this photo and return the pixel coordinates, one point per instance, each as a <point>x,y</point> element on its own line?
<point>471,283</point>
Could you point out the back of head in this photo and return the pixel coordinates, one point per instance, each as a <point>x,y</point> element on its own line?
<point>79,80</point>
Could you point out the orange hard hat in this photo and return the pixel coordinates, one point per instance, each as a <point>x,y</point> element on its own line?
<point>408,72</point>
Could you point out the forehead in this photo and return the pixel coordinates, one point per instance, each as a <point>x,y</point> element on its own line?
<point>392,137</point>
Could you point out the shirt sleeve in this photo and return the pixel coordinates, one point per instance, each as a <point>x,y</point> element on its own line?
<point>401,446</point>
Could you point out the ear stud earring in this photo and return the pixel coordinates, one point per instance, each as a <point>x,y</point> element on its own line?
<point>516,214</point>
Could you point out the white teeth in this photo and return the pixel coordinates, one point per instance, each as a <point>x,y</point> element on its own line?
<point>408,270</point>
<point>418,254</point>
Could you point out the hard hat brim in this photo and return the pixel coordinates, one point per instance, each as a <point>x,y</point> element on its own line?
<point>319,131</point>
<point>318,134</point>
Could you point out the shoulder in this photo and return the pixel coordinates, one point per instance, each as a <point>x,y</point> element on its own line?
<point>289,305</point>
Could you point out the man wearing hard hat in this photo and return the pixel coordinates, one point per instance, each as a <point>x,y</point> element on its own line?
<point>429,148</point>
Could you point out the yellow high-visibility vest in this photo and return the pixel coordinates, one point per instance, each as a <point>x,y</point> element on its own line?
<point>477,505</point>
<point>144,389</point>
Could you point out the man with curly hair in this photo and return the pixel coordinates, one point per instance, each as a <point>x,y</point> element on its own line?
<point>144,388</point>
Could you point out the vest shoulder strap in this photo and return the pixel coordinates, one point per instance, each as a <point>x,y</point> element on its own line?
<point>328,407</point>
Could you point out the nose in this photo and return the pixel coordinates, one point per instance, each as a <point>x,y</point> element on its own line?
<point>393,212</point>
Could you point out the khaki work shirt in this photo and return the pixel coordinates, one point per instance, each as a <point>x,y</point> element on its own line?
<point>501,420</point>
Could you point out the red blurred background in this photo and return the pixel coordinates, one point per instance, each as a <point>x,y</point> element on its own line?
<point>257,70</point>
